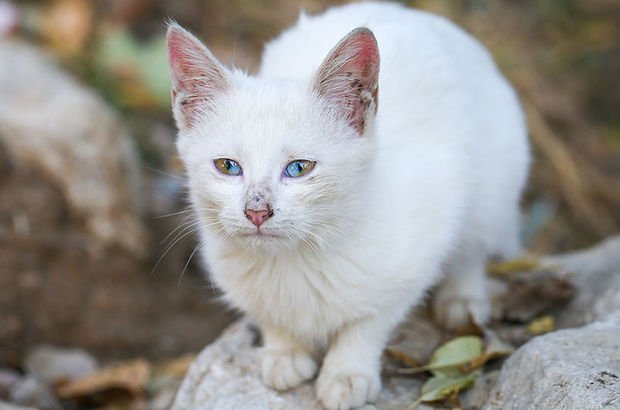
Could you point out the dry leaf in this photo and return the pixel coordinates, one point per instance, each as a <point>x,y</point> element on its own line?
<point>401,357</point>
<point>443,387</point>
<point>543,324</point>
<point>130,376</point>
<point>448,358</point>
<point>532,294</point>
<point>176,367</point>
<point>495,348</point>
<point>524,264</point>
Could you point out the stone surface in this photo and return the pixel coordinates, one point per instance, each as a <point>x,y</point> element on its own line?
<point>31,392</point>
<point>52,365</point>
<point>8,406</point>
<point>595,272</point>
<point>567,369</point>
<point>8,380</point>
<point>51,123</point>
<point>226,376</point>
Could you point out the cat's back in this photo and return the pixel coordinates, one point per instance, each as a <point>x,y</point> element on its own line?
<point>412,43</point>
<point>429,66</point>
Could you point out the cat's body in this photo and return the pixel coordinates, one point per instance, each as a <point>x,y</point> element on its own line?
<point>429,186</point>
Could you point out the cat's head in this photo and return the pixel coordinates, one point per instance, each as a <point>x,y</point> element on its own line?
<point>275,164</point>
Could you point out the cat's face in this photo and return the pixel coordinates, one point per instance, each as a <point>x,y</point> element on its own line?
<point>270,164</point>
<point>266,129</point>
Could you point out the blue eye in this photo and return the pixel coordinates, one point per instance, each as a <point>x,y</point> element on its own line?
<point>228,166</point>
<point>298,168</point>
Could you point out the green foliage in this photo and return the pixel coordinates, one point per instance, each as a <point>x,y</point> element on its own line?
<point>139,68</point>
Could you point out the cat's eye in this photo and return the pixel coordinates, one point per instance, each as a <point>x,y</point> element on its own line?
<point>298,168</point>
<point>228,166</point>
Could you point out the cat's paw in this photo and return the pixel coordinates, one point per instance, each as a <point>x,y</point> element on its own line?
<point>284,369</point>
<point>454,310</point>
<point>343,391</point>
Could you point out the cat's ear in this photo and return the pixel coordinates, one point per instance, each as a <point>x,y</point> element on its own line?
<point>349,77</point>
<point>197,76</point>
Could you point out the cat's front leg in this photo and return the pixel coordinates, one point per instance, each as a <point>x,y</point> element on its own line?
<point>350,375</point>
<point>285,363</point>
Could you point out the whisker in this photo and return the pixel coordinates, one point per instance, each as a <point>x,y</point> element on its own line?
<point>181,225</point>
<point>165,173</point>
<point>173,214</point>
<point>191,231</point>
<point>196,248</point>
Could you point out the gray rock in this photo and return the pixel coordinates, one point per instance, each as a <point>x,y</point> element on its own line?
<point>50,123</point>
<point>226,376</point>
<point>567,369</point>
<point>51,364</point>
<point>32,392</point>
<point>163,399</point>
<point>8,380</point>
<point>8,406</point>
<point>595,272</point>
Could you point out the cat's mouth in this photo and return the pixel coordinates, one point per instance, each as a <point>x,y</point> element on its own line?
<point>260,234</point>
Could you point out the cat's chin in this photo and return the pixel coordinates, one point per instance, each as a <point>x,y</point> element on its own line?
<point>263,240</point>
<point>260,235</point>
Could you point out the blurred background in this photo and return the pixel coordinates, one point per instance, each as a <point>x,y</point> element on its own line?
<point>96,245</point>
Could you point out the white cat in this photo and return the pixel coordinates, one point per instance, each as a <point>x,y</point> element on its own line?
<point>332,195</point>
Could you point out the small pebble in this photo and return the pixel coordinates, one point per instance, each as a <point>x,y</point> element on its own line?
<point>52,365</point>
<point>34,393</point>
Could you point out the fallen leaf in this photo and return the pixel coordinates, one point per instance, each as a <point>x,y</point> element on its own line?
<point>401,357</point>
<point>457,352</point>
<point>442,387</point>
<point>448,358</point>
<point>176,367</point>
<point>532,294</point>
<point>130,376</point>
<point>524,264</point>
<point>543,324</point>
<point>494,348</point>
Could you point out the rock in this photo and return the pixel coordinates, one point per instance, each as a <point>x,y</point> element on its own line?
<point>226,376</point>
<point>595,272</point>
<point>34,393</point>
<point>571,368</point>
<point>8,380</point>
<point>477,396</point>
<point>567,369</point>
<point>8,406</point>
<point>50,123</point>
<point>52,365</point>
<point>9,18</point>
<point>163,399</point>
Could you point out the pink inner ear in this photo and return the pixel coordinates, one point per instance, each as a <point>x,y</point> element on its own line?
<point>180,65</point>
<point>349,76</point>
<point>196,75</point>
<point>368,55</point>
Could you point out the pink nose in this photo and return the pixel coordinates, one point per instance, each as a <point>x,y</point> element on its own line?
<point>258,217</point>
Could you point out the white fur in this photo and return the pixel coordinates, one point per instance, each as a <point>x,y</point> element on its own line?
<point>433,187</point>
